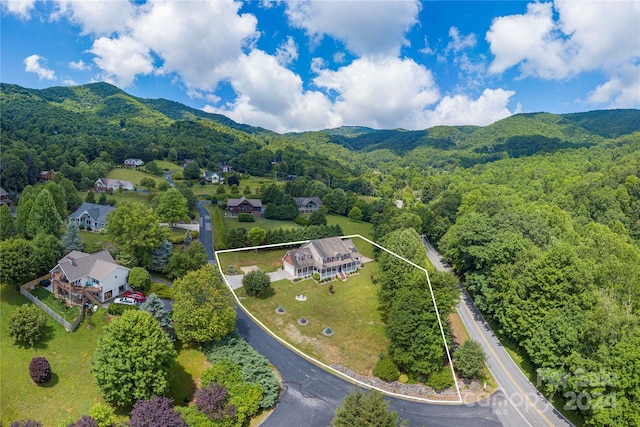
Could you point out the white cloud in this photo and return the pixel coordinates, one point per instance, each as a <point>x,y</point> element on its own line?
<point>382,93</point>
<point>121,60</point>
<point>272,96</point>
<point>459,42</point>
<point>21,8</point>
<point>426,49</point>
<point>586,37</point>
<point>338,57</point>
<point>287,52</point>
<point>79,65</point>
<point>96,16</point>
<point>462,110</point>
<point>37,64</point>
<point>365,27</point>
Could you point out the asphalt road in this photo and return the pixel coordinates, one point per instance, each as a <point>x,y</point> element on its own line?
<point>524,405</point>
<point>206,235</point>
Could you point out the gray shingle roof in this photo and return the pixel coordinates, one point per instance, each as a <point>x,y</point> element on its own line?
<point>256,203</point>
<point>97,212</point>
<point>77,265</point>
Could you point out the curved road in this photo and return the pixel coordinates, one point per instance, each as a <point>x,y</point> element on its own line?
<point>310,395</point>
<point>524,404</point>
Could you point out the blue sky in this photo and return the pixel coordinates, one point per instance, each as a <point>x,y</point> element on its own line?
<point>307,65</point>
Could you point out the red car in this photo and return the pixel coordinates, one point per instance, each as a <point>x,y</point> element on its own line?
<point>138,296</point>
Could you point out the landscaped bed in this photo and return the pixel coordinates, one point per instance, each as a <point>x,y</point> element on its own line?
<point>68,313</point>
<point>351,313</point>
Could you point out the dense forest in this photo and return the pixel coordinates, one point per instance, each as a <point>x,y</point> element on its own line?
<point>538,214</point>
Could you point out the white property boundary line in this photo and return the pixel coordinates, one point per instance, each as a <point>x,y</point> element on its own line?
<point>327,367</point>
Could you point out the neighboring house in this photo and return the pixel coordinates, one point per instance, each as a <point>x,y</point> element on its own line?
<point>46,175</point>
<point>80,277</point>
<point>91,215</point>
<point>308,204</point>
<point>244,205</point>
<point>226,168</point>
<point>4,197</point>
<point>212,177</point>
<point>328,257</point>
<point>133,163</point>
<point>109,184</point>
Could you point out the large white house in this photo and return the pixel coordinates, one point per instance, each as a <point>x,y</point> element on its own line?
<point>328,257</point>
<point>80,277</point>
<point>113,185</point>
<point>91,215</point>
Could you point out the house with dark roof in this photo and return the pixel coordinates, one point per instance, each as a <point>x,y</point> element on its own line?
<point>328,257</point>
<point>80,277</point>
<point>308,204</point>
<point>244,205</point>
<point>91,215</point>
<point>133,163</point>
<point>46,175</point>
<point>113,185</point>
<point>4,197</point>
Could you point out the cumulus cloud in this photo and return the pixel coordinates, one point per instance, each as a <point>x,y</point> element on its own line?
<point>21,8</point>
<point>381,93</point>
<point>37,64</point>
<point>586,37</point>
<point>365,27</point>
<point>79,65</point>
<point>121,59</point>
<point>459,42</point>
<point>462,110</point>
<point>96,17</point>
<point>287,52</point>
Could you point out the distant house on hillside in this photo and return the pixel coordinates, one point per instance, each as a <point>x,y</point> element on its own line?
<point>109,184</point>
<point>46,175</point>
<point>328,257</point>
<point>244,205</point>
<point>4,197</point>
<point>91,215</point>
<point>80,277</point>
<point>133,163</point>
<point>212,177</point>
<point>226,168</point>
<point>308,204</point>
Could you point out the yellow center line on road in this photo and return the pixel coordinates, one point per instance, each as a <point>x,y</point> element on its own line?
<point>495,356</point>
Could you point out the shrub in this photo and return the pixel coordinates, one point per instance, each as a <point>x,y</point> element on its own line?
<point>211,400</point>
<point>316,276</point>
<point>469,360</point>
<point>246,217</point>
<point>161,290</point>
<point>85,421</point>
<point>403,378</point>
<point>40,370</point>
<point>256,282</point>
<point>26,423</point>
<point>157,411</point>
<point>118,309</point>
<point>139,279</point>
<point>301,221</point>
<point>103,414</point>
<point>441,379</point>
<point>386,370</point>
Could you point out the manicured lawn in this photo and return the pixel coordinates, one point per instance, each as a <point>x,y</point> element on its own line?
<point>130,196</point>
<point>266,260</point>
<point>265,224</point>
<point>165,164</point>
<point>350,227</point>
<point>68,313</point>
<point>191,362</point>
<point>71,391</point>
<point>351,312</point>
<point>133,175</point>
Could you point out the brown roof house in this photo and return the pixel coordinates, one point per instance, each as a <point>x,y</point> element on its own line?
<point>4,197</point>
<point>79,277</point>
<point>46,175</point>
<point>328,257</point>
<point>244,205</point>
<point>308,204</point>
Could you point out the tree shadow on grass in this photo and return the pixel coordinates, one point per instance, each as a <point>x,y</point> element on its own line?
<point>268,293</point>
<point>52,382</point>
<point>182,384</point>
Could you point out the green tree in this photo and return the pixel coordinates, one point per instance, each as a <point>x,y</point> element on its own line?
<point>102,200</point>
<point>204,309</point>
<point>47,250</point>
<point>58,195</point>
<point>468,360</point>
<point>103,414</point>
<point>364,409</point>
<point>191,171</point>
<point>71,237</point>
<point>183,261</point>
<point>154,306</point>
<point>91,197</point>
<point>7,223</point>
<point>256,282</point>
<point>188,238</point>
<point>133,359</point>
<point>172,207</point>
<point>148,183</point>
<point>355,213</point>
<point>336,201</point>
<point>70,191</point>
<point>136,230</point>
<point>43,217</point>
<point>26,325</point>
<point>139,279</point>
<point>160,256</point>
<point>152,167</point>
<point>164,186</point>
<point>16,261</point>
<point>317,218</point>
<point>23,210</point>
<point>256,236</point>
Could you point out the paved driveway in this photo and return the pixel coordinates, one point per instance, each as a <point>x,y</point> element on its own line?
<point>235,280</point>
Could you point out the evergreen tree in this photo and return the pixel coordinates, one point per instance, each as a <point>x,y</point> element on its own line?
<point>365,409</point>
<point>160,256</point>
<point>91,197</point>
<point>102,200</point>
<point>187,238</point>
<point>71,238</point>
<point>43,217</point>
<point>23,210</point>
<point>7,223</point>
<point>155,307</point>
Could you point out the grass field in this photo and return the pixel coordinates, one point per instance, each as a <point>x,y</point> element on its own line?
<point>351,312</point>
<point>265,224</point>
<point>266,260</point>
<point>133,175</point>
<point>167,165</point>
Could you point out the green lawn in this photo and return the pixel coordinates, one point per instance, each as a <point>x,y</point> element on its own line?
<point>68,313</point>
<point>351,312</point>
<point>130,196</point>
<point>265,224</point>
<point>350,226</point>
<point>266,260</point>
<point>133,175</point>
<point>165,164</point>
